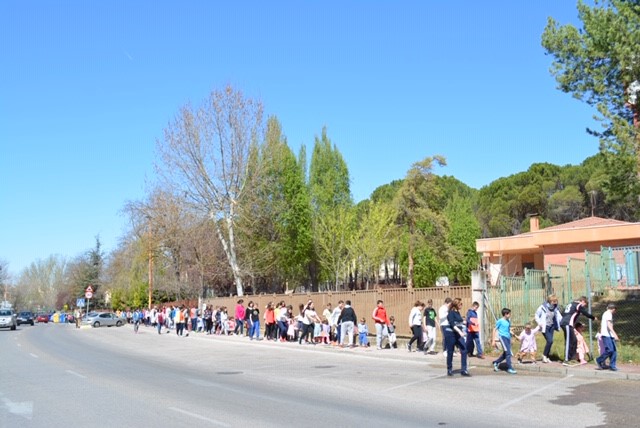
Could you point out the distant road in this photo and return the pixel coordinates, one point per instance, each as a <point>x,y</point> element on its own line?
<point>59,376</point>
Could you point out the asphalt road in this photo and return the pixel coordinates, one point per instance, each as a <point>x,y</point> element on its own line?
<point>59,376</point>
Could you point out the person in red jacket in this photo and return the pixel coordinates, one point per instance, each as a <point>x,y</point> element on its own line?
<point>382,322</point>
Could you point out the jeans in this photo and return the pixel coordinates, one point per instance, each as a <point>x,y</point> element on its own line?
<point>282,326</point>
<point>506,353</point>
<point>381,332</point>
<point>417,335</point>
<point>306,333</point>
<point>548,336</point>
<point>254,329</point>
<point>445,338</point>
<point>194,324</point>
<point>473,340</point>
<point>609,351</point>
<point>239,327</point>
<point>452,340</point>
<point>346,329</point>
<point>362,339</point>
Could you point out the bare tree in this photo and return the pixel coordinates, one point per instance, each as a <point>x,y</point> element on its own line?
<point>205,156</point>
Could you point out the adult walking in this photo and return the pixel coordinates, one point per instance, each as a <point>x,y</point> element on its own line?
<point>309,317</point>
<point>456,333</point>
<point>429,324</point>
<point>548,318</point>
<point>335,325</point>
<point>253,324</point>
<point>609,337</point>
<point>568,322</point>
<point>382,321</point>
<point>443,320</point>
<point>415,324</point>
<point>283,317</point>
<point>240,317</point>
<point>347,320</point>
<point>473,332</point>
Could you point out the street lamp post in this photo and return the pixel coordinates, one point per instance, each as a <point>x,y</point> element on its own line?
<point>150,262</point>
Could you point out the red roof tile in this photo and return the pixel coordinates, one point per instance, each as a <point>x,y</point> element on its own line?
<point>587,223</point>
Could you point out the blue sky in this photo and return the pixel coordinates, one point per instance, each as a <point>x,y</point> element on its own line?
<point>86,88</point>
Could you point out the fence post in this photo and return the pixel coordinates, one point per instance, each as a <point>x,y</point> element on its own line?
<point>478,290</point>
<point>589,294</point>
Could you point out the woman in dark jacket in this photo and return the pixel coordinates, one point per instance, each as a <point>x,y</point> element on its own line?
<point>456,337</point>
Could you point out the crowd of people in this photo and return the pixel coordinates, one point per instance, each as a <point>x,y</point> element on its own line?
<point>340,326</point>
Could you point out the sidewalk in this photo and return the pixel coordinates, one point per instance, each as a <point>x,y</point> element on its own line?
<point>555,368</point>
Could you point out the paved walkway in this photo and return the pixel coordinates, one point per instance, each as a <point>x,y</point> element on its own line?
<point>555,368</point>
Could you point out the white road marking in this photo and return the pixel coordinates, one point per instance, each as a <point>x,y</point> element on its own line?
<point>517,400</point>
<point>197,416</point>
<point>24,409</point>
<point>71,372</point>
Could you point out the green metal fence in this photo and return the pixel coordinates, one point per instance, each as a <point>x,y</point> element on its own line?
<point>521,294</point>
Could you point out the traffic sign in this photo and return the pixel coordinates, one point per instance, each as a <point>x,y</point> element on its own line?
<point>80,303</point>
<point>89,289</point>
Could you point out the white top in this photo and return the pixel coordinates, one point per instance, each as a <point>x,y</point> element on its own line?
<point>309,316</point>
<point>604,328</point>
<point>443,312</point>
<point>415,316</point>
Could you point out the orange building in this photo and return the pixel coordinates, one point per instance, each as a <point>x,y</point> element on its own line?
<point>539,248</point>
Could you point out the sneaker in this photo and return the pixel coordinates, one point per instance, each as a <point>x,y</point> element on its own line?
<point>545,360</point>
<point>495,367</point>
<point>449,373</point>
<point>613,369</point>
<point>465,374</point>
<point>408,347</point>
<point>379,348</point>
<point>481,357</point>
<point>511,371</point>
<point>566,363</point>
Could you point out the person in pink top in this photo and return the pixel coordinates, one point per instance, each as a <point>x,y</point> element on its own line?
<point>240,312</point>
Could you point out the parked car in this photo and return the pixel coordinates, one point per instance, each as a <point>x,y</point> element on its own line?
<point>8,319</point>
<point>42,317</point>
<point>25,317</point>
<point>101,319</point>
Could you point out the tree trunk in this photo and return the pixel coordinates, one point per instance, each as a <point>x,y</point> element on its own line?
<point>230,252</point>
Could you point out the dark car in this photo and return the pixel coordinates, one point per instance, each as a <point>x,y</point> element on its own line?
<point>25,317</point>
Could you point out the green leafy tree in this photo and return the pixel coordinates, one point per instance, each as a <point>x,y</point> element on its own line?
<point>599,63</point>
<point>419,213</point>
<point>464,229</point>
<point>331,203</point>
<point>277,228</point>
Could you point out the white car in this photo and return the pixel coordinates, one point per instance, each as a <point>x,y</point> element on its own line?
<point>8,319</point>
<point>101,319</point>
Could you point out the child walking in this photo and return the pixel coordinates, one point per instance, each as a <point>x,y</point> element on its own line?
<point>582,349</point>
<point>392,332</point>
<point>528,345</point>
<point>363,331</point>
<point>504,332</point>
